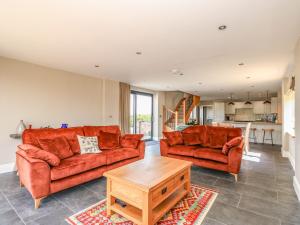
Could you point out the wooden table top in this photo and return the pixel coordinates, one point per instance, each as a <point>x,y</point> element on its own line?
<point>146,174</point>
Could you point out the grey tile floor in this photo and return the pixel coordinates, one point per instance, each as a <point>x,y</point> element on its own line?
<point>263,195</point>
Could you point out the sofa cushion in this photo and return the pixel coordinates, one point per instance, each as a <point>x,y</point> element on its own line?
<point>216,137</point>
<point>130,140</point>
<point>233,133</point>
<point>59,146</point>
<point>182,150</point>
<point>211,154</point>
<point>77,164</point>
<point>230,144</point>
<point>191,138</point>
<point>120,154</point>
<point>109,140</point>
<point>88,144</point>
<point>174,138</point>
<point>31,136</point>
<point>198,130</point>
<point>95,130</point>
<point>37,153</point>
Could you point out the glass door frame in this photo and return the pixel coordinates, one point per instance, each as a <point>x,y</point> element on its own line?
<point>135,93</point>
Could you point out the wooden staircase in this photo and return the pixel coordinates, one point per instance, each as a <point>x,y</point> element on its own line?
<point>181,114</point>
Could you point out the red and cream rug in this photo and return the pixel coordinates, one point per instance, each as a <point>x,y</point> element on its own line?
<point>192,209</point>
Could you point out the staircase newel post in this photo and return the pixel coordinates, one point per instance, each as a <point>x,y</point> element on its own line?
<point>176,120</point>
<point>183,108</point>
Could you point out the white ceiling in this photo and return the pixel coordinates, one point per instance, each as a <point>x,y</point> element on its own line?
<point>171,34</point>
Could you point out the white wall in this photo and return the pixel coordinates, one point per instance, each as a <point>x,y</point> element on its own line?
<point>43,96</point>
<point>297,121</point>
<point>288,119</point>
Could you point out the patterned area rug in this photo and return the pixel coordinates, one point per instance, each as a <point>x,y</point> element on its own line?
<point>192,209</point>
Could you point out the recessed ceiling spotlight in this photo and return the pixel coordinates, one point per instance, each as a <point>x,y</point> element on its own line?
<point>222,27</point>
<point>97,66</point>
<point>241,64</point>
<point>138,53</point>
<point>248,77</point>
<point>174,71</point>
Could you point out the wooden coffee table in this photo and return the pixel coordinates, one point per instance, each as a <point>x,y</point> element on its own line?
<point>148,188</point>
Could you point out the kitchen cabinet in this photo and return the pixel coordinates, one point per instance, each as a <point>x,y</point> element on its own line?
<point>219,111</point>
<point>274,105</point>
<point>229,109</point>
<point>258,107</point>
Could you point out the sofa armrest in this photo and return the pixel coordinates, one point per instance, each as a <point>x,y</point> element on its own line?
<point>235,158</point>
<point>34,174</point>
<point>141,147</point>
<point>164,147</point>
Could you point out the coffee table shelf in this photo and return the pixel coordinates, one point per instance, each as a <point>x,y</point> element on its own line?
<point>130,212</point>
<point>168,203</point>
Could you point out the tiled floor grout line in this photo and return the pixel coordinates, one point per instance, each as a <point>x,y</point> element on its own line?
<point>260,214</point>
<point>13,208</point>
<point>214,183</point>
<point>217,221</point>
<point>238,204</point>
<point>91,190</point>
<point>65,205</point>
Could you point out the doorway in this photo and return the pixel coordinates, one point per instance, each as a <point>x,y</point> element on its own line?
<point>207,115</point>
<point>141,114</point>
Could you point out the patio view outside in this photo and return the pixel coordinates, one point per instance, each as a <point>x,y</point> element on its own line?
<point>141,105</point>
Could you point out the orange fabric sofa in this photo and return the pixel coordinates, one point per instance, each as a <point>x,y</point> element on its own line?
<point>41,179</point>
<point>203,145</point>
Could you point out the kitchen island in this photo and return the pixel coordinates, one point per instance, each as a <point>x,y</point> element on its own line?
<point>277,133</point>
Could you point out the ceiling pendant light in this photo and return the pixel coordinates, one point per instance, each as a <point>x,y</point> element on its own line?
<point>231,102</point>
<point>267,101</point>
<point>248,100</point>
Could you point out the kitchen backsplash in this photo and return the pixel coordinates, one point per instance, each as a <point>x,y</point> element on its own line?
<point>247,114</point>
<point>244,115</point>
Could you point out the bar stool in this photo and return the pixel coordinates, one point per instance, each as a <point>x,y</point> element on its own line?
<point>253,135</point>
<point>270,130</point>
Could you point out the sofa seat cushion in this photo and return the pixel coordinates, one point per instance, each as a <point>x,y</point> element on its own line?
<point>77,164</point>
<point>120,154</point>
<point>186,150</point>
<point>211,154</point>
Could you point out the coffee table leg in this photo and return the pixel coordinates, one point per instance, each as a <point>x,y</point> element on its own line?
<point>110,199</point>
<point>147,210</point>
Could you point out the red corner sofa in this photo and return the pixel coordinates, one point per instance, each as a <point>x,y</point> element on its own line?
<point>205,145</point>
<point>41,179</point>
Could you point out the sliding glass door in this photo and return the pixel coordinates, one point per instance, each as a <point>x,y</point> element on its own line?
<point>141,114</point>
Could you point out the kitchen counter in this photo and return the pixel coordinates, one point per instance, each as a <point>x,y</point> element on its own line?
<point>277,133</point>
<point>254,122</point>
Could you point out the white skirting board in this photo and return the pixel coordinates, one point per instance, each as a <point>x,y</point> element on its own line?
<point>287,154</point>
<point>297,187</point>
<point>8,167</point>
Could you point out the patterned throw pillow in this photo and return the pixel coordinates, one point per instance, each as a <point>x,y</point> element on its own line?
<point>88,144</point>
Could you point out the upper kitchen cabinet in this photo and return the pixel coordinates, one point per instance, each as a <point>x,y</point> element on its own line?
<point>219,111</point>
<point>229,109</point>
<point>258,107</point>
<point>274,105</point>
